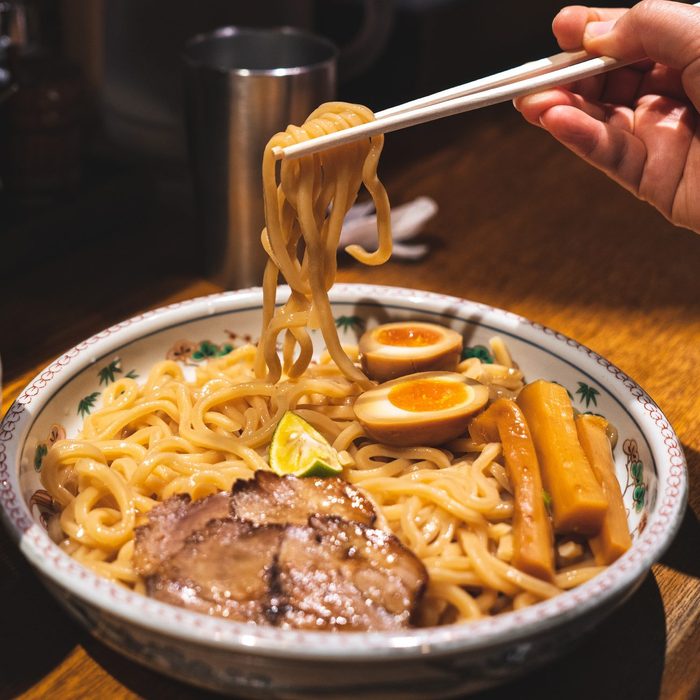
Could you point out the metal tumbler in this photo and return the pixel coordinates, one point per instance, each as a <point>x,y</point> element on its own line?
<point>241,87</point>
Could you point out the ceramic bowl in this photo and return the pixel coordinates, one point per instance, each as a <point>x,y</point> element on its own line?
<point>265,662</point>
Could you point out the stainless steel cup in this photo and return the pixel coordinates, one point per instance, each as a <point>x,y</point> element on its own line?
<point>241,87</point>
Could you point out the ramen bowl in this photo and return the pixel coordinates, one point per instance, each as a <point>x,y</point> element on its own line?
<point>268,662</point>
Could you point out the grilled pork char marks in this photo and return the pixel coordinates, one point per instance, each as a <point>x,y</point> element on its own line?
<point>297,553</point>
<point>170,523</point>
<point>339,575</point>
<point>269,498</point>
<point>225,569</point>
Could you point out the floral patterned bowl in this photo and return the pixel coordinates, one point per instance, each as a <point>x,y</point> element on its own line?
<point>260,662</point>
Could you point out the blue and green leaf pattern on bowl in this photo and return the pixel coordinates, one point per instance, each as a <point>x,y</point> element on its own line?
<point>350,323</point>
<point>105,376</point>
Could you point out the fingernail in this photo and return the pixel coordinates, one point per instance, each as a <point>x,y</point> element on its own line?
<point>596,29</point>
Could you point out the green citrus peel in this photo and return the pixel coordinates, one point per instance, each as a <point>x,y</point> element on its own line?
<point>297,448</point>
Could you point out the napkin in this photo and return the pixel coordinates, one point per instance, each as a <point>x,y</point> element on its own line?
<point>407,220</point>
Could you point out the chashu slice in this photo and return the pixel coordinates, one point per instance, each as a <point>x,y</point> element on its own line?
<point>268,498</point>
<point>225,569</point>
<point>333,574</point>
<point>169,525</point>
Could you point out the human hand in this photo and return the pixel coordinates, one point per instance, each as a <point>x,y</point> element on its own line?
<point>638,124</point>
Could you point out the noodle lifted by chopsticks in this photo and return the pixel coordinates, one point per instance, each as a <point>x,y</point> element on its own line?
<point>304,215</point>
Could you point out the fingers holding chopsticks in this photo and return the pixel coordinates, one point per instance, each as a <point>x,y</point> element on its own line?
<point>570,23</point>
<point>666,34</point>
<point>569,27</point>
<point>640,123</point>
<point>535,108</point>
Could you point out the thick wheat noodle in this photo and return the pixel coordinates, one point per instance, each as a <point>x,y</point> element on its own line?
<point>449,507</point>
<point>201,433</point>
<point>310,202</point>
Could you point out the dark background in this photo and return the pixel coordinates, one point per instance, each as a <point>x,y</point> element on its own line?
<point>119,183</point>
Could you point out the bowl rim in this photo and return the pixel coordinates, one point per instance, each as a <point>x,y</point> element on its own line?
<point>200,629</point>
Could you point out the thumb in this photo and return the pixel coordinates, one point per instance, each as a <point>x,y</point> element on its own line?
<point>664,31</point>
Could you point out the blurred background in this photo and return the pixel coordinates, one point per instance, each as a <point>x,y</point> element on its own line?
<point>98,222</point>
<point>93,161</point>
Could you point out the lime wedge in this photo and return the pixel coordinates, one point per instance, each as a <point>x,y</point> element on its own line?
<point>297,448</point>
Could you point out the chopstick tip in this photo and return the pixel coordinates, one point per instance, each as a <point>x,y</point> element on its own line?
<point>278,152</point>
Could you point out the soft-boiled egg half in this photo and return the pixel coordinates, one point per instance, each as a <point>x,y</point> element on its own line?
<point>395,349</point>
<point>427,408</point>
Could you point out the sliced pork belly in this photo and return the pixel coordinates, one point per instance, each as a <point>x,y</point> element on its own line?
<point>269,498</point>
<point>334,574</point>
<point>225,569</point>
<point>170,523</point>
<point>298,553</point>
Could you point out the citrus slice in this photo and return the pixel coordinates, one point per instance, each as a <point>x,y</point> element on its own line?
<point>297,448</point>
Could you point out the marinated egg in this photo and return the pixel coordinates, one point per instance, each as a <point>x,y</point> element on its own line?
<point>396,349</point>
<point>426,408</point>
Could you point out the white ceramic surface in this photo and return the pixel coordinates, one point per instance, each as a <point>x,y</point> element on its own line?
<point>267,662</point>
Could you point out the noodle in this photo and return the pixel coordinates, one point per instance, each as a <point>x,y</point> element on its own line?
<point>309,204</point>
<point>451,505</point>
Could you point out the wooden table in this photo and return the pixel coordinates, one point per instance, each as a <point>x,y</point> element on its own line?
<point>522,225</point>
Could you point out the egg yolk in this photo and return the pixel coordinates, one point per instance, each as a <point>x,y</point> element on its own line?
<point>427,395</point>
<point>408,337</point>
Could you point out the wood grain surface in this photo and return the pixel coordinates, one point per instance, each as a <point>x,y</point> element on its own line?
<point>522,225</point>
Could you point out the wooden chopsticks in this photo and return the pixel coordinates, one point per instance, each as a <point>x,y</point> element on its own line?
<point>506,77</point>
<point>529,78</point>
<point>560,69</point>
